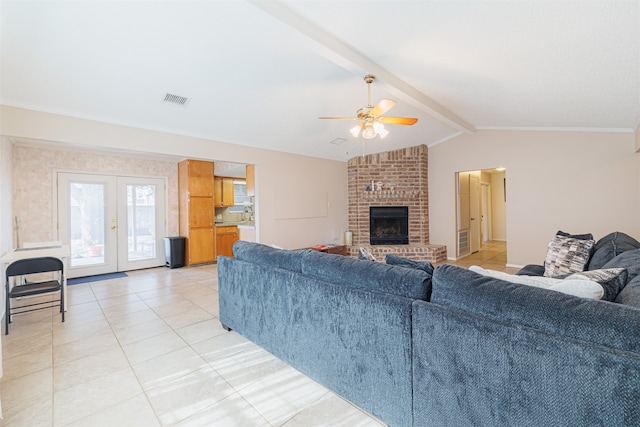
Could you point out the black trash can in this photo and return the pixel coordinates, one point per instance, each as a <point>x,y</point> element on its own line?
<point>174,251</point>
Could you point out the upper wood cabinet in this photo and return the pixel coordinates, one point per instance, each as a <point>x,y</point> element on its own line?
<point>251,181</point>
<point>196,210</point>
<point>201,212</point>
<point>200,178</point>
<point>224,196</point>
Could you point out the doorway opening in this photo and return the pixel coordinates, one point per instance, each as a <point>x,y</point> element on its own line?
<point>480,209</point>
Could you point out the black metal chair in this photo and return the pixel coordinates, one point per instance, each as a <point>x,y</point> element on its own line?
<point>18,290</point>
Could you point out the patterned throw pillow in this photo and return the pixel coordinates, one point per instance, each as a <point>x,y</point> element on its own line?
<point>365,254</point>
<point>567,255</point>
<point>612,280</point>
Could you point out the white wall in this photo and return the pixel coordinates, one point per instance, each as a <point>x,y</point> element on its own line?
<point>281,178</point>
<point>573,181</point>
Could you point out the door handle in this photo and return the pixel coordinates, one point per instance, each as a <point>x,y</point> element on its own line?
<point>113,227</point>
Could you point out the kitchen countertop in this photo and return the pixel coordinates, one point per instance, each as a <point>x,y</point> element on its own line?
<point>239,224</point>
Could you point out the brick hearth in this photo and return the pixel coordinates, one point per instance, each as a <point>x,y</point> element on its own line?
<point>403,174</point>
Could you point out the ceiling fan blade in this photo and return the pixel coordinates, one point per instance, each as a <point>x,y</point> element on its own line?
<point>338,118</point>
<point>397,120</point>
<point>382,107</point>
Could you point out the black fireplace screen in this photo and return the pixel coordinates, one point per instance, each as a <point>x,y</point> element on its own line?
<point>389,225</point>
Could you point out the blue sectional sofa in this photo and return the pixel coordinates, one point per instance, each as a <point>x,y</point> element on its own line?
<point>456,348</point>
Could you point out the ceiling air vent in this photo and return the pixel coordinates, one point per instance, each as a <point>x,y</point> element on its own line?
<point>175,99</point>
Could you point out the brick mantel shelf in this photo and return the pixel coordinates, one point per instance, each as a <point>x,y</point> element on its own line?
<point>391,194</point>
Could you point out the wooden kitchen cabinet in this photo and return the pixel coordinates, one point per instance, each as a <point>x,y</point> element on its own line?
<point>224,196</point>
<point>196,210</point>
<point>226,236</point>
<point>200,246</point>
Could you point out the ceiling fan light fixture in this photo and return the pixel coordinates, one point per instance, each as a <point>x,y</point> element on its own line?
<point>355,131</point>
<point>369,131</point>
<point>373,119</point>
<point>380,130</point>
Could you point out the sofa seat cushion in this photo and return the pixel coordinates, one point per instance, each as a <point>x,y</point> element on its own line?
<point>267,255</point>
<point>609,247</point>
<point>374,276</point>
<point>600,322</point>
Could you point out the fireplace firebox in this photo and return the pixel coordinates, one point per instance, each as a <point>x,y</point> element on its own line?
<point>389,225</point>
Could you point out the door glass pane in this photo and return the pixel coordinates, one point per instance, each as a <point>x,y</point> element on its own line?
<point>86,217</point>
<point>141,222</point>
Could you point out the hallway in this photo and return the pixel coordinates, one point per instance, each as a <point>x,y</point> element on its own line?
<point>492,255</point>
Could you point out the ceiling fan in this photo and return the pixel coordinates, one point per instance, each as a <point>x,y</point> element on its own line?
<point>372,117</point>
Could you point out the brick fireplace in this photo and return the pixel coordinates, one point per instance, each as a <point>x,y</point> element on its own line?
<point>393,178</point>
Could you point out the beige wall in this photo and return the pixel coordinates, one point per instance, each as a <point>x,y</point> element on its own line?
<point>281,178</point>
<point>574,181</point>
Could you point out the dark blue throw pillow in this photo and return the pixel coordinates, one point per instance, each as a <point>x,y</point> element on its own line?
<point>586,236</point>
<point>405,262</point>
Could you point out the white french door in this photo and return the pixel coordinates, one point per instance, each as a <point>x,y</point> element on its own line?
<point>111,223</point>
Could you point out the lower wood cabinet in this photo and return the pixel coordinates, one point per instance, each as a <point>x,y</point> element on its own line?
<point>226,236</point>
<point>200,244</point>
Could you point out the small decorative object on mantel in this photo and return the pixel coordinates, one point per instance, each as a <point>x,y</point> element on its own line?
<point>379,186</point>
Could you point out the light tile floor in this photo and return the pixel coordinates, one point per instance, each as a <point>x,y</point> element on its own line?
<point>492,255</point>
<point>148,350</point>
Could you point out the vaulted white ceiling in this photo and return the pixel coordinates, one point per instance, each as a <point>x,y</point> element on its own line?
<point>260,73</point>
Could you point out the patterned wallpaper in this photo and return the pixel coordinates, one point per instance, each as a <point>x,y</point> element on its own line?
<point>34,190</point>
<point>6,214</point>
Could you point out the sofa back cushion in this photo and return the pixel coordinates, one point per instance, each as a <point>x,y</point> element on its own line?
<point>630,294</point>
<point>370,275</point>
<point>609,247</point>
<point>601,322</point>
<point>267,255</point>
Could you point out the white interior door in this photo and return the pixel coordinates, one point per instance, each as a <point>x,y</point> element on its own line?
<point>486,213</point>
<point>474,209</point>
<point>111,223</point>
